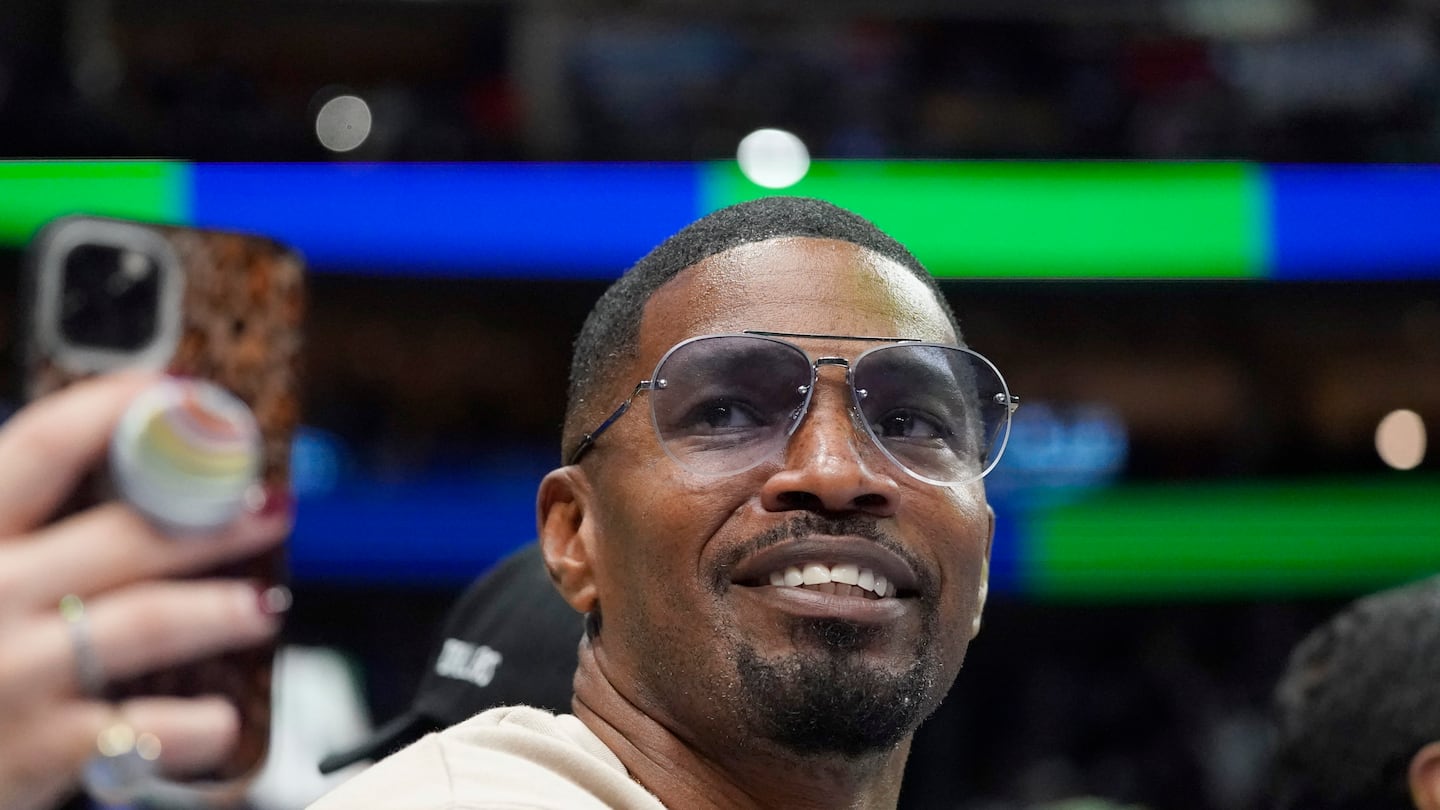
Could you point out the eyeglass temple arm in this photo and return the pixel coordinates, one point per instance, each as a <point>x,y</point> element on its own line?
<point>1010,401</point>
<point>588,440</point>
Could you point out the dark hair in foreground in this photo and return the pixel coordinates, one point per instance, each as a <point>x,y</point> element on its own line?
<point>610,334</point>
<point>1360,697</point>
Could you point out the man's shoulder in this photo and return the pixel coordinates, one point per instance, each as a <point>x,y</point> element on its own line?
<point>512,756</point>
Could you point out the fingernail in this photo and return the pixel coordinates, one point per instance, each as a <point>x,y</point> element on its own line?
<point>274,600</point>
<point>269,501</point>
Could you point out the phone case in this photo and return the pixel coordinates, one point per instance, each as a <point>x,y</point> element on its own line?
<point>239,321</point>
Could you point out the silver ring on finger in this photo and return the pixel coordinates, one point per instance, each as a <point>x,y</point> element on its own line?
<point>89,672</point>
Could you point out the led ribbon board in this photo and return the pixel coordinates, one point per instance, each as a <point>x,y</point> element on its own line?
<point>1024,220</point>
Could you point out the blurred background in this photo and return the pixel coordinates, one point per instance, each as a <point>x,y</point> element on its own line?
<point>1196,236</point>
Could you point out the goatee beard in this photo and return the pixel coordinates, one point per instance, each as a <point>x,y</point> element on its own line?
<point>827,700</point>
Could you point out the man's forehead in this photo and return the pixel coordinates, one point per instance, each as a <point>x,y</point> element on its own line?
<point>794,284</point>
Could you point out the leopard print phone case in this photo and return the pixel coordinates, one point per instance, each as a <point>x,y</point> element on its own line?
<point>235,321</point>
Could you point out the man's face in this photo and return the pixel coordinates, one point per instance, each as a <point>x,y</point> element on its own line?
<point>694,632</point>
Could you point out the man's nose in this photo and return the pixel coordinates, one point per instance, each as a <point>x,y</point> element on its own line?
<point>830,463</point>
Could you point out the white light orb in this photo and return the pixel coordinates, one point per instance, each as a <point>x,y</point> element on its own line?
<point>343,123</point>
<point>1400,439</point>
<point>773,158</point>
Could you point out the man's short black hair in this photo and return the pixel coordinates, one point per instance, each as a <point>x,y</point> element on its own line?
<point>1360,696</point>
<point>610,334</point>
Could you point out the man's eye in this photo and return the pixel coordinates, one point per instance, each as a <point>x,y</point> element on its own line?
<point>729,415</point>
<point>726,415</point>
<point>909,424</point>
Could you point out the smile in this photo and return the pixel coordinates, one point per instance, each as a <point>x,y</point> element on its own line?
<point>849,567</point>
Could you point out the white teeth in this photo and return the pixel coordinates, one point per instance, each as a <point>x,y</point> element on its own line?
<point>837,579</point>
<point>866,579</point>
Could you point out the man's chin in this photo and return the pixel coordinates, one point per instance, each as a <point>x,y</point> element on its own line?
<point>829,700</point>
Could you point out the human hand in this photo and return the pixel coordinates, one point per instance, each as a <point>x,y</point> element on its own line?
<point>136,618</point>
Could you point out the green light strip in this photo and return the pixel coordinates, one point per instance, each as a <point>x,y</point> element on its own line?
<point>1046,220</point>
<point>1245,539</point>
<point>37,191</point>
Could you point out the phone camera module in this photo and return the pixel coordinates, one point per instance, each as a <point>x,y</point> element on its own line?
<point>110,298</point>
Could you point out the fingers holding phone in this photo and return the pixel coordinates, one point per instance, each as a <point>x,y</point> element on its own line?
<point>133,550</point>
<point>107,563</point>
<point>48,448</point>
<point>76,648</point>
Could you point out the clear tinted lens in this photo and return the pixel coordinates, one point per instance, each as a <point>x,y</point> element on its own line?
<point>940,412</point>
<point>723,404</point>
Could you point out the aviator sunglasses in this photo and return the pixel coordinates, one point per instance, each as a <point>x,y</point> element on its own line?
<point>721,404</point>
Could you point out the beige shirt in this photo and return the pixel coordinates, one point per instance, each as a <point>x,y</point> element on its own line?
<point>510,757</point>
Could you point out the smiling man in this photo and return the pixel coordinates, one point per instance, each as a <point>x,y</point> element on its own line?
<point>773,519</point>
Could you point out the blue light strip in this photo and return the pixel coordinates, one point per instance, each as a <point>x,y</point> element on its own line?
<point>415,534</point>
<point>509,220</point>
<point>1354,222</point>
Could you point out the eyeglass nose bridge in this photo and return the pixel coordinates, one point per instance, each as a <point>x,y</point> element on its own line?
<point>815,373</point>
<point>806,389</point>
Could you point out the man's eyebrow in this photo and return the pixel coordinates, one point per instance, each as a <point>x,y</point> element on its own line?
<point>743,356</point>
<point>925,367</point>
<point>810,336</point>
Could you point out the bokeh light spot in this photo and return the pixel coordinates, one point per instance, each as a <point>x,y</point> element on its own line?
<point>1400,439</point>
<point>343,123</point>
<point>773,158</point>
<point>115,740</point>
<point>147,745</point>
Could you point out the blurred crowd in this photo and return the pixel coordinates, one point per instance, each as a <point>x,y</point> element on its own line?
<point>1278,80</point>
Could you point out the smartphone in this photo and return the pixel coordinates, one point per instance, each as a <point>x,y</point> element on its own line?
<point>104,294</point>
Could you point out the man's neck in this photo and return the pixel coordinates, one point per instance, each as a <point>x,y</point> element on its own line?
<point>755,775</point>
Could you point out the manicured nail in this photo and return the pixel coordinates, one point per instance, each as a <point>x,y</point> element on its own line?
<point>269,501</point>
<point>274,600</point>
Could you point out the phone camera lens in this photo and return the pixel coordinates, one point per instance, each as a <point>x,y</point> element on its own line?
<point>110,298</point>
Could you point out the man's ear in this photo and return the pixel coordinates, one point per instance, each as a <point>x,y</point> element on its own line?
<point>565,524</point>
<point>1425,777</point>
<point>984,574</point>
